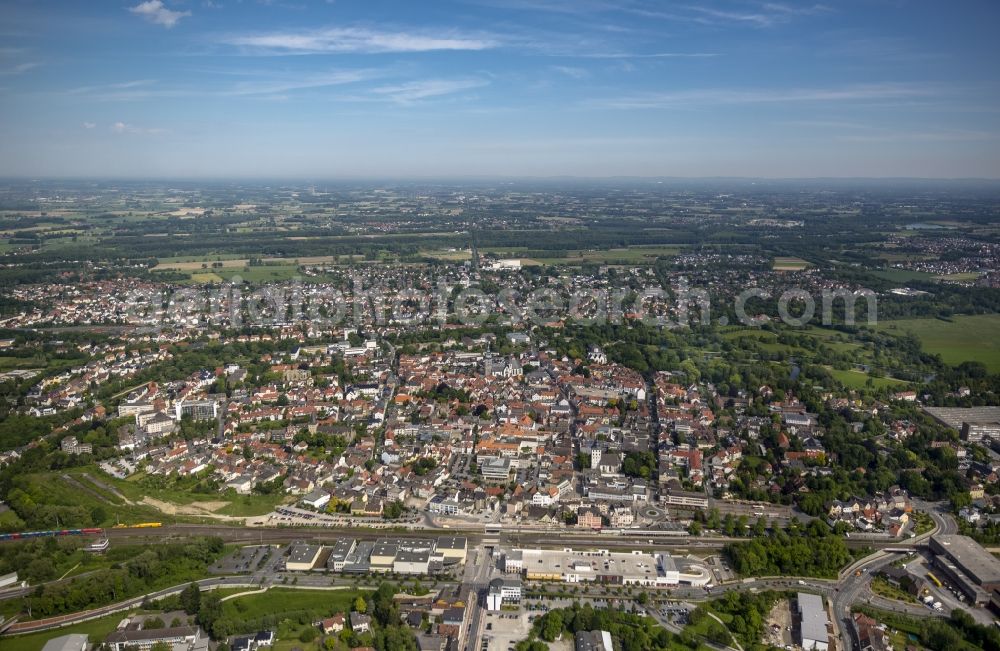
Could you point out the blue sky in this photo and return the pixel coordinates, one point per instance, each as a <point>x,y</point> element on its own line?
<point>314,89</point>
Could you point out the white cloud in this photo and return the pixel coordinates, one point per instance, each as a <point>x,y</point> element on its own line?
<point>155,12</point>
<point>125,127</point>
<point>19,68</point>
<point>278,86</point>
<point>266,84</point>
<point>342,40</point>
<point>701,97</point>
<point>571,71</point>
<point>417,90</point>
<point>653,55</point>
<point>89,125</point>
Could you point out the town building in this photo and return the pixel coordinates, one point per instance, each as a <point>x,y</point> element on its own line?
<point>503,591</point>
<point>72,642</point>
<point>302,557</point>
<point>813,622</point>
<point>967,565</point>
<point>179,638</point>
<point>593,641</point>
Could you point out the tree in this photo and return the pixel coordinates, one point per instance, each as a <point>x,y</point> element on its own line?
<point>360,605</point>
<point>210,611</point>
<point>190,599</point>
<point>98,515</point>
<point>393,510</point>
<point>552,627</point>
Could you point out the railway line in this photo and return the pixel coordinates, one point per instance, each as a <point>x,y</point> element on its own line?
<point>508,536</point>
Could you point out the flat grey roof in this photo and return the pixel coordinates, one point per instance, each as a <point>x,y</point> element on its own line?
<point>302,553</point>
<point>451,542</point>
<point>343,547</point>
<point>813,617</point>
<point>954,416</point>
<point>72,642</point>
<point>981,566</point>
<point>415,556</point>
<point>152,634</point>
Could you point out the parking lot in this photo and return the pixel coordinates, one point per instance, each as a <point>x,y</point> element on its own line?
<point>720,569</point>
<point>504,629</point>
<point>244,560</point>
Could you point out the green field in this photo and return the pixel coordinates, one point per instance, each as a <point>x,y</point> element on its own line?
<point>209,277</point>
<point>789,264</point>
<point>858,379</point>
<point>180,491</point>
<point>959,277</point>
<point>260,274</point>
<point>768,341</point>
<point>54,489</point>
<point>633,255</point>
<point>959,339</point>
<point>279,600</point>
<point>901,275</point>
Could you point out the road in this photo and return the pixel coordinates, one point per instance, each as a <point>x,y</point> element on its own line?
<point>477,578</point>
<point>855,582</point>
<point>121,606</point>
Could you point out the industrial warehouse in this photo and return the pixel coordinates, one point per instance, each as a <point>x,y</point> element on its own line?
<point>967,565</point>
<point>658,569</point>
<point>397,555</point>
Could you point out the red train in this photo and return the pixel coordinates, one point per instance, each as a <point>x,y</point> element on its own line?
<point>23,535</point>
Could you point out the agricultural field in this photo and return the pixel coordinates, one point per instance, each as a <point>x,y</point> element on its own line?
<point>959,339</point>
<point>959,277</point>
<point>633,255</point>
<point>901,275</point>
<point>790,264</point>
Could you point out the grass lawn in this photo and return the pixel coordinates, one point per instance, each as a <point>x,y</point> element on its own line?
<point>882,587</point>
<point>959,339</point>
<point>959,277</point>
<point>21,362</point>
<point>260,274</point>
<point>209,277</point>
<point>858,379</point>
<point>97,629</point>
<point>279,600</point>
<point>701,629</point>
<point>250,505</point>
<point>901,275</point>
